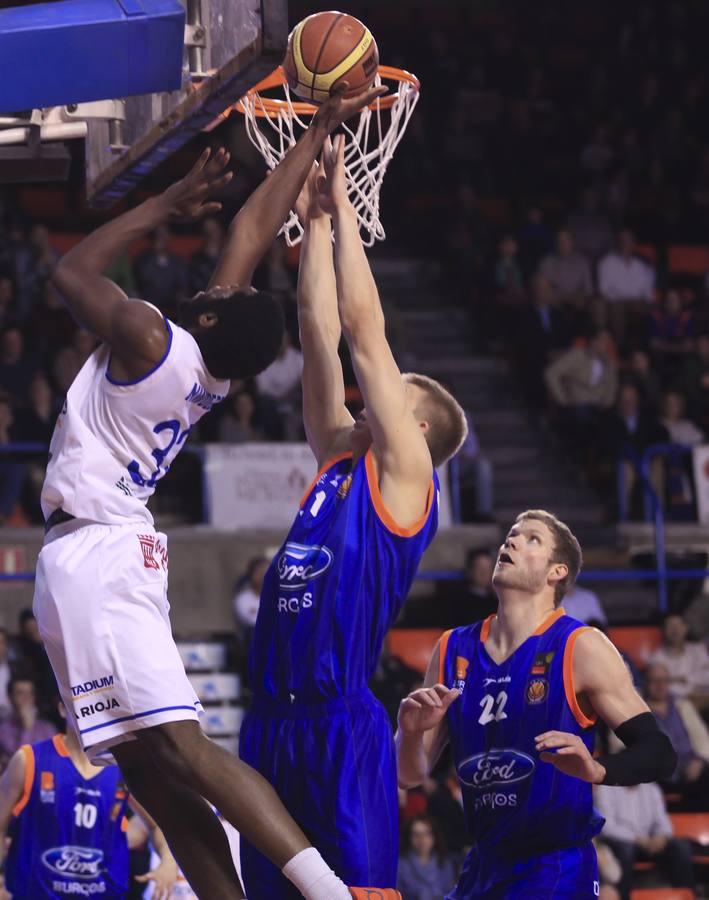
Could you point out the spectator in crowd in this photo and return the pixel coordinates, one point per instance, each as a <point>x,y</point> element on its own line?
<point>8,304</point>
<point>39,266</point>
<point>12,469</point>
<point>568,272</point>
<point>476,478</point>
<point>33,659</point>
<point>638,828</point>
<point>24,724</point>
<point>161,276</point>
<point>626,283</point>
<point>672,417</point>
<point>50,323</point>
<point>5,672</point>
<point>248,597</point>
<point>204,261</point>
<point>279,385</point>
<point>628,431</point>
<point>71,358</point>
<point>535,240</point>
<point>598,154</point>
<point>17,366</point>
<point>238,424</point>
<point>695,380</point>
<point>34,424</point>
<point>584,605</point>
<point>687,662</point>
<point>670,330</point>
<point>425,872</point>
<point>639,372</point>
<point>590,226</point>
<point>508,278</point>
<point>540,333</point>
<point>471,598</point>
<point>609,871</point>
<point>683,725</point>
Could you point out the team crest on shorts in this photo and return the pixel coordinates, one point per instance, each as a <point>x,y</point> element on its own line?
<point>536,691</point>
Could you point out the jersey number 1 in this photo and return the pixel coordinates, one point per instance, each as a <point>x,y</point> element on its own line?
<point>489,702</point>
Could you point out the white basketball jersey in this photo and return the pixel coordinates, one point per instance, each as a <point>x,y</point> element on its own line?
<point>113,441</point>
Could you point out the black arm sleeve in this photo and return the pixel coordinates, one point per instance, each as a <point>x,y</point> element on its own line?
<point>648,753</point>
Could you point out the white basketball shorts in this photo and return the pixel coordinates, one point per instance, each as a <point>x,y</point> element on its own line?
<point>101,604</point>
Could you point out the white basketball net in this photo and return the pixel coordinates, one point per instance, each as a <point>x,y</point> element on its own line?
<point>369,148</point>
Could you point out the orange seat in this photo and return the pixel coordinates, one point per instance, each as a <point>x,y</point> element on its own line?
<point>638,641</point>
<point>662,894</point>
<point>694,826</point>
<point>414,646</point>
<point>688,260</point>
<point>647,252</point>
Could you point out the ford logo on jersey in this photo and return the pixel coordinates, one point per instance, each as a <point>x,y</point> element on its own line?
<point>75,862</point>
<point>300,563</point>
<point>495,767</point>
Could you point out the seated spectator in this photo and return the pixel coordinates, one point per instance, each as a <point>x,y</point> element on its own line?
<point>695,380</point>
<point>476,478</point>
<point>639,371</point>
<point>204,261</point>
<point>508,278</point>
<point>13,470</point>
<point>683,725</point>
<point>33,659</point>
<point>568,272</point>
<point>626,283</point>
<point>590,226</point>
<point>535,240</point>
<point>70,359</point>
<point>279,384</point>
<point>670,331</point>
<point>687,662</point>
<point>540,331</point>
<point>638,828</point>
<point>160,275</point>
<point>584,605</point>
<point>425,872</point>
<point>239,424</point>
<point>17,366</point>
<point>469,600</point>
<point>583,382</point>
<point>627,432</point>
<point>672,417</point>
<point>23,725</point>
<point>248,597</point>
<point>609,871</point>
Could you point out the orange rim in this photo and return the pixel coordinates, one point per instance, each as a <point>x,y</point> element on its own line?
<point>270,107</point>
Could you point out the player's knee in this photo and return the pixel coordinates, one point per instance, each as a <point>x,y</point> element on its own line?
<point>175,748</point>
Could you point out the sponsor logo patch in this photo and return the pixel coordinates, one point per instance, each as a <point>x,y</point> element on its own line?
<point>76,862</point>
<point>99,706</point>
<point>537,690</point>
<point>461,672</point>
<point>299,564</point>
<point>95,686</point>
<point>495,767</point>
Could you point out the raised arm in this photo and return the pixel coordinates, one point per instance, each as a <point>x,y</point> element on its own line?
<point>326,419</point>
<point>423,733</point>
<point>135,333</point>
<point>259,220</point>
<point>402,454</point>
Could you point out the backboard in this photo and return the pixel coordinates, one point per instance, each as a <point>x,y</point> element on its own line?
<point>230,45</point>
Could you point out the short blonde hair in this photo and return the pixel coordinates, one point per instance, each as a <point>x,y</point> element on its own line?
<point>447,425</point>
<point>567,549</point>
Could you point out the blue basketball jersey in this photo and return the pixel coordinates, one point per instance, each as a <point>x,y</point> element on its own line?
<point>68,833</point>
<point>517,807</point>
<point>335,587</point>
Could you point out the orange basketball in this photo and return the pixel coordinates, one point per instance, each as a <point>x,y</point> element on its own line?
<point>326,49</point>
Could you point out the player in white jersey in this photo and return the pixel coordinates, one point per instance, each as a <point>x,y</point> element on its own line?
<point>101,587</point>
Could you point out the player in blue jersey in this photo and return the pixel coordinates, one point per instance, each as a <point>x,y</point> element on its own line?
<point>68,832</point>
<point>341,577</point>
<point>517,697</point>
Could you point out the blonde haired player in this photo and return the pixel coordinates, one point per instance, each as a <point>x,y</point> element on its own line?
<point>100,595</point>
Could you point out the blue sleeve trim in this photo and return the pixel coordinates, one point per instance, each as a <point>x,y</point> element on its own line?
<point>150,371</point>
<point>140,715</point>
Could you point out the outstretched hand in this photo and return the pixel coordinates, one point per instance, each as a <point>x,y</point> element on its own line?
<point>570,755</point>
<point>164,876</point>
<point>188,197</point>
<point>331,183</point>
<point>425,708</point>
<point>337,108</point>
<point>307,206</point>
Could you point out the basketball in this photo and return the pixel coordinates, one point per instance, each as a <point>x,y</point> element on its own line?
<point>326,49</point>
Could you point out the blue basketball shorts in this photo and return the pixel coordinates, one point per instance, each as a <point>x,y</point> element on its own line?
<point>333,766</point>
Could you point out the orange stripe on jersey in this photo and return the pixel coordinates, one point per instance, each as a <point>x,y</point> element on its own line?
<point>571,698</point>
<point>442,650</point>
<point>325,466</point>
<point>28,754</point>
<point>485,628</point>
<point>549,621</point>
<point>59,745</point>
<point>124,824</point>
<point>381,510</point>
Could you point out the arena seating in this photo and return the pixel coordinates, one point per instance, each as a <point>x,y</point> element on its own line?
<point>413,646</point>
<point>638,641</point>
